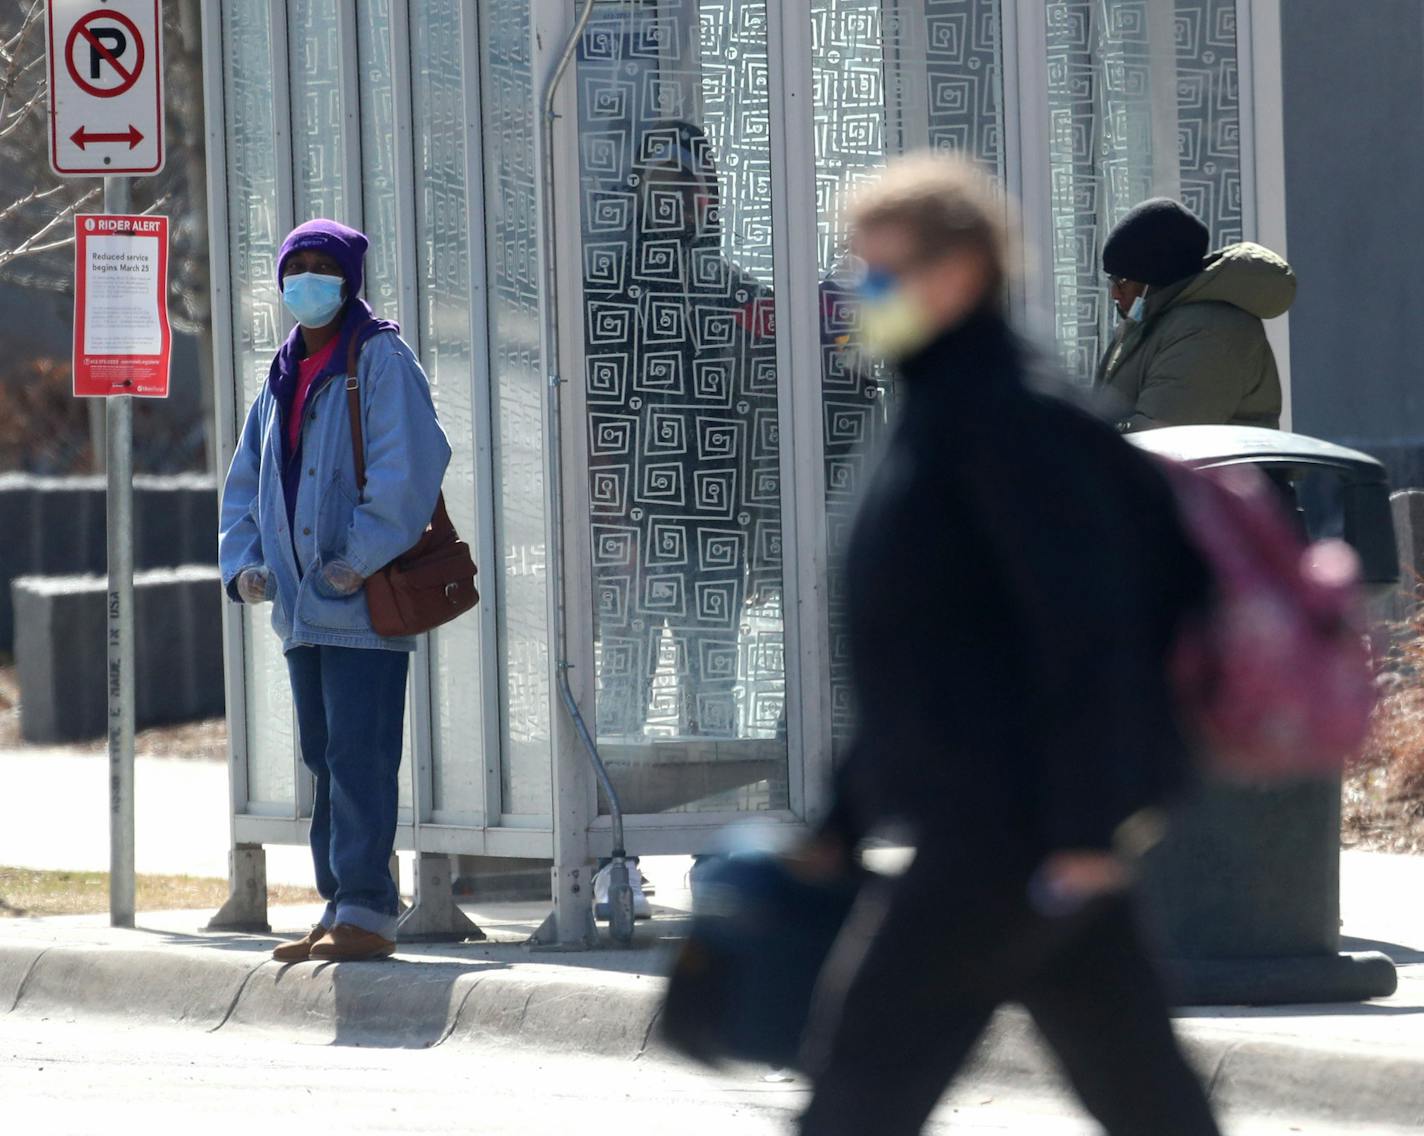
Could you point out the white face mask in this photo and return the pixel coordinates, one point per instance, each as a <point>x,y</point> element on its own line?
<point>892,326</point>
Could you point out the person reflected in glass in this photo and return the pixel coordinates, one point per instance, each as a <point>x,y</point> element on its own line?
<point>297,531</point>
<point>684,465</point>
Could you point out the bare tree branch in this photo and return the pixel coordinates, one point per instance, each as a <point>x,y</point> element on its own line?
<point>37,281</point>
<point>11,47</point>
<point>12,55</point>
<point>68,242</point>
<point>32,244</point>
<point>37,210</point>
<point>12,122</point>
<point>29,199</point>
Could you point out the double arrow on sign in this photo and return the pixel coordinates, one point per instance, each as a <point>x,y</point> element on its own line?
<point>83,136</point>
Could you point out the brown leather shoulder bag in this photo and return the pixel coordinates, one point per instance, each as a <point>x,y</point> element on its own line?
<point>434,580</point>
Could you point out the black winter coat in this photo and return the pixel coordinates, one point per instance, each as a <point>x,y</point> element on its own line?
<point>1016,575</point>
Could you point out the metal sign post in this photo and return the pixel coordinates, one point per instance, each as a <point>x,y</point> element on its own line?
<point>122,349</point>
<point>119,447</point>
<point>105,61</point>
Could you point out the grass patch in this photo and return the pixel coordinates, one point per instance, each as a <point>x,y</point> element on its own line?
<point>26,891</point>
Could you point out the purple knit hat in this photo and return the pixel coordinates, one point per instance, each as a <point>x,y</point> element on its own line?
<point>343,244</point>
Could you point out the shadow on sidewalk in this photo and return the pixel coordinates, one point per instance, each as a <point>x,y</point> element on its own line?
<point>395,1003</point>
<point>1398,954</point>
<point>219,940</point>
<point>410,1002</point>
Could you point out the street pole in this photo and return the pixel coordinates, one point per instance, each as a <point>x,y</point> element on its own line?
<point>119,466</point>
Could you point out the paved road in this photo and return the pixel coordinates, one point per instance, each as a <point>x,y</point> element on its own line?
<point>83,1078</point>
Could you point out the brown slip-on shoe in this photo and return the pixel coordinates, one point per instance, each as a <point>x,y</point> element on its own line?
<point>345,943</point>
<point>300,951</point>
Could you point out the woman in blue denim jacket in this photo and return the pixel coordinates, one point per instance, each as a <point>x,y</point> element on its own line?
<point>296,531</point>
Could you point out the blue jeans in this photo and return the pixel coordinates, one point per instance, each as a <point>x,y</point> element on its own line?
<point>350,716</point>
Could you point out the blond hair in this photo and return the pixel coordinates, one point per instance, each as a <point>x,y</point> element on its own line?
<point>946,202</point>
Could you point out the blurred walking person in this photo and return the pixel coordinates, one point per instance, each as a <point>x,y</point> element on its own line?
<point>1016,577</point>
<point>298,531</point>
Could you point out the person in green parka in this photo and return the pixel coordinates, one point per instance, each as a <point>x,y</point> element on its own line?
<point>1191,348</point>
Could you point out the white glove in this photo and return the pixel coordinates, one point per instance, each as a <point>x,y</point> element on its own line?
<point>337,580</point>
<point>254,585</point>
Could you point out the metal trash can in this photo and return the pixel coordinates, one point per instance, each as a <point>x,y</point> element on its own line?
<point>1246,887</point>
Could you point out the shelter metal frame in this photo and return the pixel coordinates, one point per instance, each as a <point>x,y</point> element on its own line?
<point>573,832</point>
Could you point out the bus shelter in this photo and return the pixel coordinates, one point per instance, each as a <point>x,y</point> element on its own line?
<point>662,273</point>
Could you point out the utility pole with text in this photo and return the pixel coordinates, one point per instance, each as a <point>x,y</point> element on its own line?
<point>105,60</point>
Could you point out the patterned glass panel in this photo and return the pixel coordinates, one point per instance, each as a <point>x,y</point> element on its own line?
<point>512,236</point>
<point>963,84</point>
<point>897,75</point>
<point>379,177</point>
<point>889,76</point>
<point>1143,101</point>
<point>681,382</point>
<point>447,351</point>
<point>318,137</point>
<point>1209,115</point>
<point>259,327</point>
<point>320,146</point>
<point>380,172</point>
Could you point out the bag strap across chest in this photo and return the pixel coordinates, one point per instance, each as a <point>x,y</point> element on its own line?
<point>440,522</point>
<point>353,408</point>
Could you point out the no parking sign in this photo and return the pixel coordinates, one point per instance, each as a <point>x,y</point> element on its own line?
<point>106,86</point>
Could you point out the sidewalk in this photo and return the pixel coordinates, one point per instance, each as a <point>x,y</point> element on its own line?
<point>1363,1063</point>
<point>54,813</point>
<point>1357,1064</point>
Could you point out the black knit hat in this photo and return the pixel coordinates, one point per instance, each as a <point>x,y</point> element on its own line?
<point>1158,243</point>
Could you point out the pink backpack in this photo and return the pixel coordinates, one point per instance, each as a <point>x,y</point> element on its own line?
<point>1276,679</point>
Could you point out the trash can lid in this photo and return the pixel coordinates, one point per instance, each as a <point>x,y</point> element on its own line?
<point>1209,446</point>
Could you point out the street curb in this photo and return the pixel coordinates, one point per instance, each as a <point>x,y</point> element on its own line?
<point>1280,1078</point>
<point>1251,1076</point>
<point>172,986</point>
<point>423,1004</point>
<point>392,1003</point>
<point>15,966</point>
<point>613,1016</point>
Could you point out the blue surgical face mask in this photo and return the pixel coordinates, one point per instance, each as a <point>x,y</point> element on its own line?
<point>1139,308</point>
<point>313,298</point>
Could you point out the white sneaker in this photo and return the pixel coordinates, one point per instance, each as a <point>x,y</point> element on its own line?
<point>642,909</point>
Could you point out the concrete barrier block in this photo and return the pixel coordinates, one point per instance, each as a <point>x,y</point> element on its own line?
<point>61,652</point>
<point>51,524</point>
<point>57,526</point>
<point>16,514</point>
<point>71,517</point>
<point>175,520</point>
<point>18,553</point>
<point>60,657</point>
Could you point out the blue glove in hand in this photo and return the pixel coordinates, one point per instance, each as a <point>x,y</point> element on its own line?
<point>254,585</point>
<point>338,580</point>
